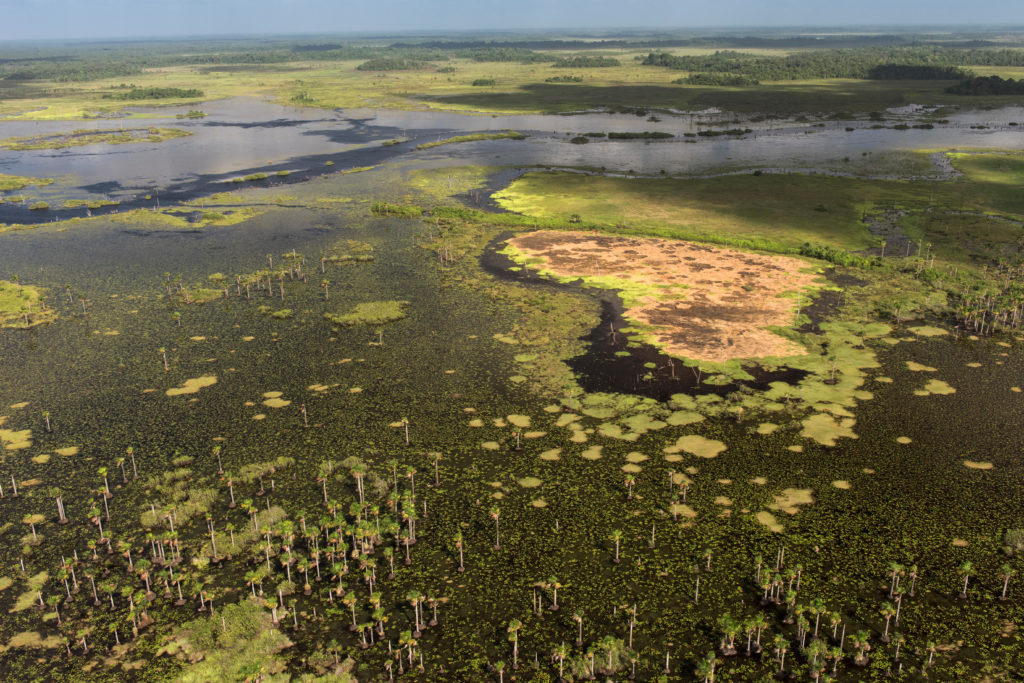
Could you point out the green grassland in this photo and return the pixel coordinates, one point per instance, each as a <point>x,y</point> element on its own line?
<point>788,209</point>
<point>518,88</point>
<point>14,182</point>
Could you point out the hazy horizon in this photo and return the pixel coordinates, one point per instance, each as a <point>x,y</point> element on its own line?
<point>55,20</point>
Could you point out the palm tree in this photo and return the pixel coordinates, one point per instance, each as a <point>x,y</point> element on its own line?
<point>577,616</point>
<point>895,571</point>
<point>817,608</point>
<point>106,485</point>
<point>965,569</point>
<point>325,284</point>
<point>898,639</point>
<point>1006,572</point>
<point>414,598</point>
<point>553,583</point>
<point>616,536</point>
<point>499,666</point>
<point>630,481</point>
<point>912,573</point>
<point>781,646</point>
<point>931,652</point>
<point>458,545</point>
<point>729,627</point>
<point>53,601</point>
<point>860,641</point>
<point>560,653</point>
<point>705,670</point>
<point>513,635</point>
<point>887,610</point>
<point>495,514</point>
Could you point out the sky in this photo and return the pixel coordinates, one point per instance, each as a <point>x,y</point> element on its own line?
<point>95,19</point>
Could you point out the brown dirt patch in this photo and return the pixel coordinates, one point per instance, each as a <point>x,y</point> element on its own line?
<point>731,296</point>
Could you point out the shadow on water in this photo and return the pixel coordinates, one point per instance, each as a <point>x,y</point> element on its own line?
<point>611,363</point>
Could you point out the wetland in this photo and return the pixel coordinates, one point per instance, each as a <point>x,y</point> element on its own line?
<point>349,390</point>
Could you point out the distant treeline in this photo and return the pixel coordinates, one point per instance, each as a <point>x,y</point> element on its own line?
<point>716,79</point>
<point>781,42</point>
<point>884,63</point>
<point>988,85</point>
<point>584,61</point>
<point>391,64</point>
<point>154,94</point>
<point>836,56</point>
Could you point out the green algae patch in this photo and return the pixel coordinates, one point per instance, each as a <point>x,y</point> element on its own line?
<point>976,465</point>
<point>371,313</point>
<point>15,440</point>
<point>68,451</point>
<point>17,182</point>
<point>904,440</point>
<point>928,331</point>
<point>519,420</point>
<point>592,453</point>
<point>529,482</point>
<point>681,418</point>
<point>551,455</point>
<point>766,428</point>
<point>81,137</point>
<point>22,306</point>
<point>842,484</point>
<point>192,386</point>
<point>789,500</point>
<point>697,445</point>
<point>473,137</point>
<point>825,429</point>
<point>917,367</point>
<point>539,503</point>
<point>768,519</point>
<point>936,387</point>
<point>276,402</point>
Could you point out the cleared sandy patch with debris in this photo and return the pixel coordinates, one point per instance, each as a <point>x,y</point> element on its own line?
<point>702,302</point>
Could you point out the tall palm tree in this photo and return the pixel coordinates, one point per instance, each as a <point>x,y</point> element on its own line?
<point>513,635</point>
<point>965,570</point>
<point>781,646</point>
<point>887,610</point>
<point>1006,572</point>
<point>817,608</point>
<point>495,514</point>
<point>861,643</point>
<point>554,585</point>
<point>577,616</point>
<point>616,536</point>
<point>560,654</point>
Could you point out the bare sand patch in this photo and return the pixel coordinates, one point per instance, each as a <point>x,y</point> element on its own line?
<point>731,297</point>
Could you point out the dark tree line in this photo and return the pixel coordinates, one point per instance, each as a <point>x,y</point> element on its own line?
<point>988,85</point>
<point>904,62</point>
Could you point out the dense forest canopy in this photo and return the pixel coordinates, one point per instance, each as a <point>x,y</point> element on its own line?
<point>906,62</point>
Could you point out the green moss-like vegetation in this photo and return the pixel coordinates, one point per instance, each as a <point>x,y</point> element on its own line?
<point>371,313</point>
<point>14,182</point>
<point>23,306</point>
<point>473,137</point>
<point>78,138</point>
